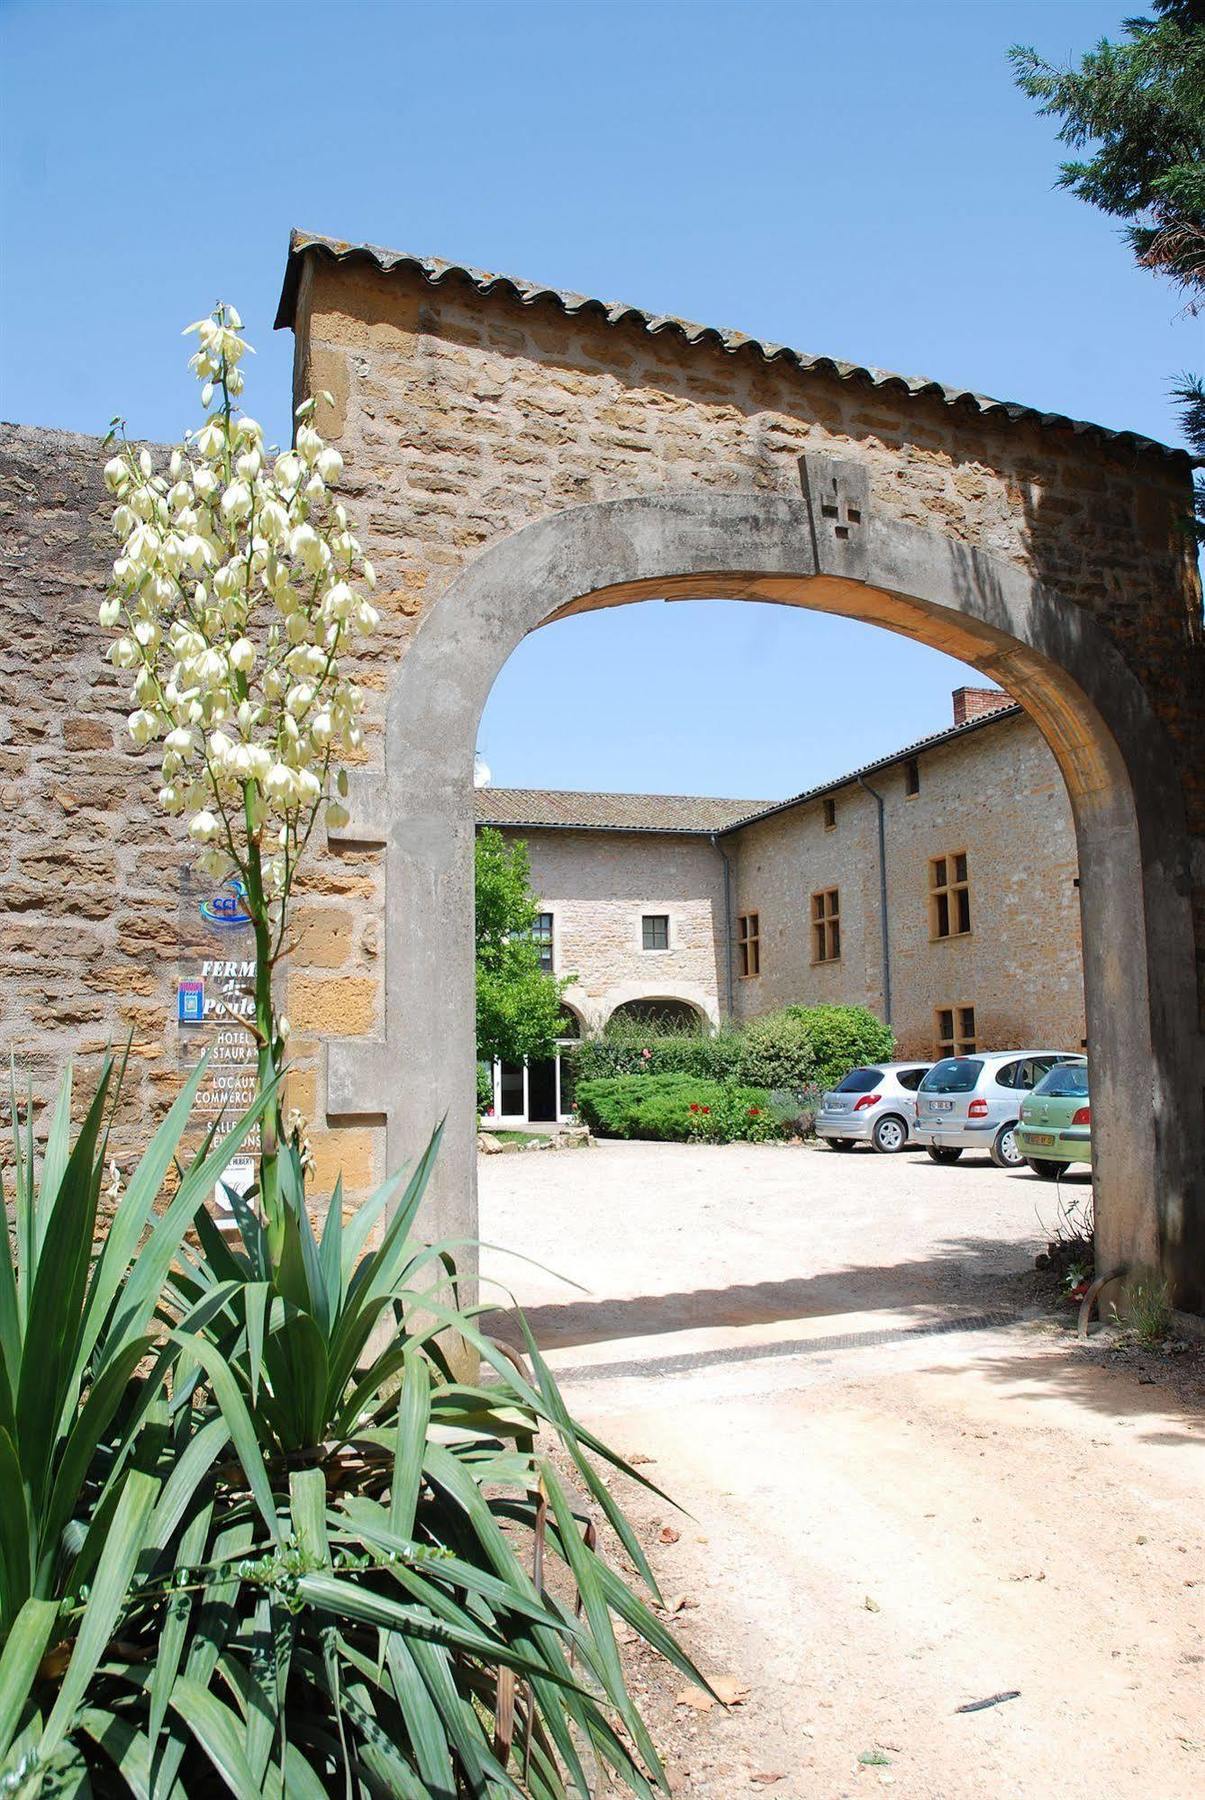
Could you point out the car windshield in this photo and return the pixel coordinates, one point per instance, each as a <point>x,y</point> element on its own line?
<point>859,1081</point>
<point>1066,1081</point>
<point>953,1075</point>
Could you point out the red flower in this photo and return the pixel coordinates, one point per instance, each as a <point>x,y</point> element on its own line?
<point>694,1106</point>
<point>754,1111</point>
<point>705,1109</point>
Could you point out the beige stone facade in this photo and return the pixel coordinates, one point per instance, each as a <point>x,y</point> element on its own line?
<point>991,792</point>
<point>469,409</point>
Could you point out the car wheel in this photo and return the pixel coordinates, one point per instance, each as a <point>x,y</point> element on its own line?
<point>890,1135</point>
<point>944,1153</point>
<point>1004,1151</point>
<point>1049,1171</point>
<point>840,1143</point>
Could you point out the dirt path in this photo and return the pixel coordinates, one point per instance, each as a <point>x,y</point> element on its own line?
<point>890,1519</point>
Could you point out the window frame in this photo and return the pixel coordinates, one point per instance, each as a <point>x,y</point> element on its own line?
<point>654,919</point>
<point>959,1042</point>
<point>748,944</point>
<point>826,926</point>
<point>949,896</point>
<point>544,939</point>
<point>829,806</point>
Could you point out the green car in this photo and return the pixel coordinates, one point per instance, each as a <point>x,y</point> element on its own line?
<point>1056,1121</point>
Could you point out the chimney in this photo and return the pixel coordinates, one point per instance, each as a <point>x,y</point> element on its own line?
<point>972,703</point>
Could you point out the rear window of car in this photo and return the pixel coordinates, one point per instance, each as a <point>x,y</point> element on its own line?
<point>911,1078</point>
<point>859,1081</point>
<point>1066,1081</point>
<point>953,1075</point>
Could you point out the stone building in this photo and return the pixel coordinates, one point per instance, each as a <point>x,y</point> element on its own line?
<point>515,453</point>
<point>960,925</point>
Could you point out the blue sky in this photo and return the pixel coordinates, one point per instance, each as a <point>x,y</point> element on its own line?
<point>857,179</point>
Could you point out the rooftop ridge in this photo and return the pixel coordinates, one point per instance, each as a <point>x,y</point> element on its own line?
<point>758,809</point>
<point>436,270</point>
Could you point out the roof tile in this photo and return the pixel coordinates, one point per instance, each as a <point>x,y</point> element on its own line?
<point>435,271</point>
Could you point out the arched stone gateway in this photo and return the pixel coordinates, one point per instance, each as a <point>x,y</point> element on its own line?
<point>1138,942</point>
<point>472,411</point>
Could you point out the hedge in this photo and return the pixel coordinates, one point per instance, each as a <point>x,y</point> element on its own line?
<point>797,1049</point>
<point>681,1109</point>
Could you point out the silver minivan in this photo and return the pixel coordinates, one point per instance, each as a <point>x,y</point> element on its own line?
<point>974,1102</point>
<point>872,1105</point>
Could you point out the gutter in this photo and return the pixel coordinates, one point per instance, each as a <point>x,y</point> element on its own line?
<point>728,988</point>
<point>884,932</point>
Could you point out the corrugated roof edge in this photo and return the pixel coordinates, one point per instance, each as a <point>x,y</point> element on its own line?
<point>1008,709</point>
<point>435,271</point>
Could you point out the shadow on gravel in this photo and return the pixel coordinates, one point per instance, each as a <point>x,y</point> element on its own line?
<point>966,1272</point>
<point>1117,1382</point>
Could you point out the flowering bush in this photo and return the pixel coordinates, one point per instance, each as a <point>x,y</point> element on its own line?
<point>236,595</point>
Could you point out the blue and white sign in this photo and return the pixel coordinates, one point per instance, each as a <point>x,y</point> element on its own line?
<point>228,906</point>
<point>190,1002</point>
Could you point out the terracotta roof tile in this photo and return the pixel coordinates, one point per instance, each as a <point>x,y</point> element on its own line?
<point>561,809</point>
<point>435,272</point>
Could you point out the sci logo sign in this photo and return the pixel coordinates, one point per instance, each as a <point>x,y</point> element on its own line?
<point>190,1002</point>
<point>227,905</point>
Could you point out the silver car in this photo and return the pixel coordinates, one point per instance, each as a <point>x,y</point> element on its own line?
<point>872,1105</point>
<point>974,1102</point>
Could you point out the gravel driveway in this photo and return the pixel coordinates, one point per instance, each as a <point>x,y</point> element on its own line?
<point>903,1498</point>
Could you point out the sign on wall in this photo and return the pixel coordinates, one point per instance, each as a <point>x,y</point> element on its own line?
<point>215,995</point>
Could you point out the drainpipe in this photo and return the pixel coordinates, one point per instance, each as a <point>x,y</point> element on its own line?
<point>728,995</point>
<point>884,932</point>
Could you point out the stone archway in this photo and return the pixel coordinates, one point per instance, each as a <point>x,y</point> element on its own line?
<point>824,549</point>
<point>653,1005</point>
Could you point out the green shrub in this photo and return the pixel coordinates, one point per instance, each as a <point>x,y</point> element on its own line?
<point>639,1050</point>
<point>485,1087</point>
<point>777,1052</point>
<point>796,1050</point>
<point>679,1109</point>
<point>842,1037</point>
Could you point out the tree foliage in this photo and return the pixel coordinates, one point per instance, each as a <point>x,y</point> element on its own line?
<point>1139,106</point>
<point>518,1002</point>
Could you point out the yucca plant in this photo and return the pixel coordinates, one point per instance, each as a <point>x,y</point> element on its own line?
<point>303,1557</point>
<point>84,1364</point>
<point>394,1590</point>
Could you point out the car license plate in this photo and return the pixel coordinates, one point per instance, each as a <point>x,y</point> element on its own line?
<point>1040,1137</point>
<point>942,1105</point>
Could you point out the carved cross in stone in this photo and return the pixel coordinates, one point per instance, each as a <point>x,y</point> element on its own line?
<point>837,491</point>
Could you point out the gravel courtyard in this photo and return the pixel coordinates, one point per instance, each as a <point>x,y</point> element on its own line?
<point>904,1495</point>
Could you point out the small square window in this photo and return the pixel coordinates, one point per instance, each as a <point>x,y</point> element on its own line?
<point>911,777</point>
<point>830,815</point>
<point>654,931</point>
<point>954,1030</point>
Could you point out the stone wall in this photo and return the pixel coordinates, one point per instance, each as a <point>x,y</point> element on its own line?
<point>91,926</point>
<point>995,793</point>
<point>462,418</point>
<point>599,884</point>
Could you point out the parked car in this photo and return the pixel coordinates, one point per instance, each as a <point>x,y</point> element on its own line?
<point>1056,1122</point>
<point>974,1102</point>
<point>872,1105</point>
